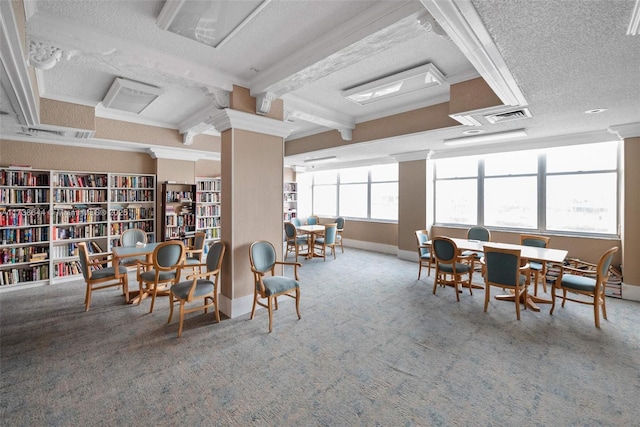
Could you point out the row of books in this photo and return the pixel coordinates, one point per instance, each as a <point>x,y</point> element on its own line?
<point>209,185</point>
<point>180,220</point>
<point>70,268</point>
<point>23,254</point>
<point>24,274</point>
<point>79,231</point>
<point>208,197</point>
<point>23,178</point>
<point>79,215</point>
<point>79,196</point>
<point>208,222</point>
<point>212,210</point>
<point>23,196</point>
<point>74,180</point>
<point>23,217</point>
<point>179,196</point>
<point>10,236</point>
<point>131,213</point>
<point>131,195</point>
<point>132,181</point>
<point>120,227</point>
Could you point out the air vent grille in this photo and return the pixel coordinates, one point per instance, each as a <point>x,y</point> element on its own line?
<point>522,113</point>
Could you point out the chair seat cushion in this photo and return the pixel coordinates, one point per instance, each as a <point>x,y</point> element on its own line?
<point>192,261</point>
<point>535,265</point>
<point>203,287</point>
<point>474,253</point>
<point>107,272</point>
<point>150,276</point>
<point>426,257</point>
<point>301,240</point>
<point>133,260</point>
<point>277,284</point>
<point>580,283</point>
<point>460,267</point>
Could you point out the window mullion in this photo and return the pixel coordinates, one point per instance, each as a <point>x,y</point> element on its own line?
<point>542,192</point>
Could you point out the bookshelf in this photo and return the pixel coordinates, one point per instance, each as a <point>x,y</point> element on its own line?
<point>208,193</point>
<point>290,201</point>
<point>178,211</point>
<point>24,227</point>
<point>132,201</point>
<point>44,214</point>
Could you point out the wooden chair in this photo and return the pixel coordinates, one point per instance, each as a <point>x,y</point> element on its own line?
<point>481,234</point>
<point>340,221</point>
<point>502,268</point>
<point>157,276</point>
<point>295,241</point>
<point>587,281</point>
<point>199,286</point>
<point>132,237</point>
<point>195,253</point>
<point>451,266</point>
<point>99,276</point>
<point>539,269</point>
<point>425,256</point>
<point>313,220</point>
<point>328,240</point>
<point>262,256</point>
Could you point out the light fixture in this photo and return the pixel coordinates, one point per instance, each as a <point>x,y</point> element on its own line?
<point>596,111</point>
<point>319,160</point>
<point>403,83</point>
<point>127,95</point>
<point>211,22</point>
<point>473,131</point>
<point>487,138</point>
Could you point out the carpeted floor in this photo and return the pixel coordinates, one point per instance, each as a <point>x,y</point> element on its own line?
<point>374,347</point>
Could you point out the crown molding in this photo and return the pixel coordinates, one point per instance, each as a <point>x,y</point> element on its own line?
<point>233,119</point>
<point>17,75</point>
<point>180,154</point>
<point>415,155</point>
<point>629,130</point>
<point>634,23</point>
<point>463,24</point>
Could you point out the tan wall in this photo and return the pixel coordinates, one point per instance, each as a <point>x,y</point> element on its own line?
<point>471,95</point>
<point>208,168</point>
<point>61,157</point>
<point>241,100</point>
<point>66,114</point>
<point>412,204</point>
<point>289,175</point>
<point>584,248</point>
<point>383,233</point>
<point>631,212</point>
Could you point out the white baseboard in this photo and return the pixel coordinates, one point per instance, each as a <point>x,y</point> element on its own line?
<point>236,307</point>
<point>630,292</point>
<point>369,246</point>
<point>408,255</point>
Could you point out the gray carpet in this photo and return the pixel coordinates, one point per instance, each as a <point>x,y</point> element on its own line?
<point>374,347</point>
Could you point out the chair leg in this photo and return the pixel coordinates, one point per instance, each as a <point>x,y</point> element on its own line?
<point>604,306</point>
<point>125,287</point>
<point>87,298</point>
<point>435,280</point>
<point>181,318</point>
<point>298,302</point>
<point>517,301</point>
<point>596,310</point>
<point>455,285</point>
<point>215,306</point>
<point>420,268</point>
<point>270,307</point>
<point>486,297</point>
<point>171,303</point>
<point>153,297</point>
<point>255,302</point>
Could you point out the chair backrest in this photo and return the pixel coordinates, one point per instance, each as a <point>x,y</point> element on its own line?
<point>330,231</point>
<point>479,233</point>
<point>198,245</point>
<point>290,230</point>
<point>167,255</point>
<point>444,249</point>
<point>132,236</point>
<point>534,240</point>
<point>262,256</point>
<point>502,266</point>
<point>604,264</point>
<point>215,255</point>
<point>340,222</point>
<point>83,255</point>
<point>312,220</point>
<point>422,237</point>
<point>296,221</point>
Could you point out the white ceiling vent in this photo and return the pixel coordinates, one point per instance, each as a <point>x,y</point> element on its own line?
<point>127,95</point>
<point>62,133</point>
<point>522,113</point>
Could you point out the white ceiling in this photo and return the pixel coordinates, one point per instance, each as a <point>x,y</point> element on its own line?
<point>562,57</point>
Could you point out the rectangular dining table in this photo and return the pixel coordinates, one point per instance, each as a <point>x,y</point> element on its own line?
<point>528,252</point>
<point>122,252</point>
<point>312,230</point>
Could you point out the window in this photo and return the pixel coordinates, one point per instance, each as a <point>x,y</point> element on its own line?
<point>362,192</point>
<point>566,189</point>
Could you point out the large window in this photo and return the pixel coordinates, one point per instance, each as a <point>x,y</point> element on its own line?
<point>363,192</point>
<point>566,189</point>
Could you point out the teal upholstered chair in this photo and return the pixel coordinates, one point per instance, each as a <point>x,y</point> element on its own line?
<point>157,276</point>
<point>199,286</point>
<point>296,221</point>
<point>195,253</point>
<point>587,282</point>
<point>327,241</point>
<point>503,269</point>
<point>294,241</point>
<point>477,233</point>
<point>131,237</point>
<point>425,256</point>
<point>313,220</point>
<point>262,256</point>
<point>452,268</point>
<point>539,269</point>
<point>339,241</point>
<point>98,275</point>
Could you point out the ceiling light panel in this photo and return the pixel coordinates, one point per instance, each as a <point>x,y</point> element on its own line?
<point>127,95</point>
<point>400,84</point>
